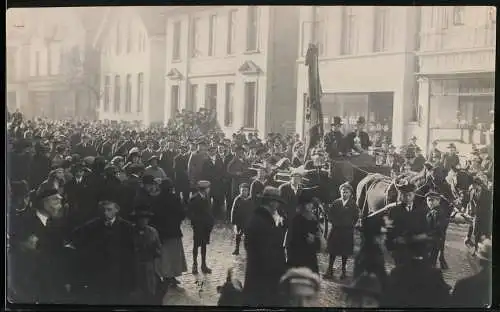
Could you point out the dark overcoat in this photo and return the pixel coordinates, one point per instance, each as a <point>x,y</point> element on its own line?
<point>106,255</point>
<point>266,261</point>
<point>80,200</point>
<point>181,179</point>
<point>39,170</point>
<point>214,173</point>
<point>343,219</point>
<point>300,252</point>
<point>85,150</point>
<point>473,291</point>
<point>202,220</point>
<point>291,200</point>
<point>241,211</point>
<point>415,285</point>
<point>405,223</point>
<point>168,215</point>
<point>167,162</point>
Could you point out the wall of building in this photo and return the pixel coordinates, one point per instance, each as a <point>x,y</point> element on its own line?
<point>281,88</point>
<point>155,109</point>
<point>124,63</point>
<point>363,70</point>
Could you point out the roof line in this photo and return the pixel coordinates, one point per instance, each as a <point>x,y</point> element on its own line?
<point>101,27</point>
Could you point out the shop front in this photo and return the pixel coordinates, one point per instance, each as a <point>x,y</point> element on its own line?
<point>375,107</point>
<point>462,110</point>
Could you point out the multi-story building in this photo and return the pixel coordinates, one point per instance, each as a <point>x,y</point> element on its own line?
<point>366,65</point>
<point>238,60</point>
<point>456,74</point>
<point>17,49</point>
<point>132,45</point>
<point>56,66</point>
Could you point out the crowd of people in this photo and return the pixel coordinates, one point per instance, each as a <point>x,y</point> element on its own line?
<point>95,211</point>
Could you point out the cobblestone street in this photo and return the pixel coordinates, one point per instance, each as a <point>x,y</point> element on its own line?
<point>201,289</point>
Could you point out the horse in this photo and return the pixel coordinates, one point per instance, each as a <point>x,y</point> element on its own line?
<point>375,191</point>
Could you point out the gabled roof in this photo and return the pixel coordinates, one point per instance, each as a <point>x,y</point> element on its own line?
<point>174,74</point>
<point>249,68</point>
<point>91,18</point>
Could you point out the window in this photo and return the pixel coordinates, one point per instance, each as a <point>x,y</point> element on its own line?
<point>492,15</point>
<point>107,90</point>
<point>128,95</point>
<point>174,99</point>
<point>228,107</point>
<point>252,24</point>
<point>250,104</point>
<point>211,96</point>
<point>49,60</point>
<point>176,47</point>
<point>118,39</point>
<point>195,43</point>
<point>381,29</point>
<point>211,31</point>
<point>37,63</point>
<point>117,94</point>
<point>140,91</point>
<point>319,30</point>
<point>231,31</point>
<point>458,15</point>
<point>129,38</point>
<point>348,31</point>
<point>193,97</point>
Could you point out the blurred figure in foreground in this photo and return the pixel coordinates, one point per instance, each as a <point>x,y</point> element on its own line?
<point>300,287</point>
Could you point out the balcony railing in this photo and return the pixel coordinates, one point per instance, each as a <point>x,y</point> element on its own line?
<point>458,38</point>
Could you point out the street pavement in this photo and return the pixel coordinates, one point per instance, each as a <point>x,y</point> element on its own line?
<point>201,289</point>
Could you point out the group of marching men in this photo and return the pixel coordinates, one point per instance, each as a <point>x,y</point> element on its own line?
<point>100,227</point>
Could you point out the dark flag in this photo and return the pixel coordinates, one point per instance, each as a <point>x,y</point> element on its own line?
<point>314,114</point>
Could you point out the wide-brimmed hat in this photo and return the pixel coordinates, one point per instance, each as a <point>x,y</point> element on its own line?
<point>134,150</point>
<point>297,173</point>
<point>117,159</point>
<point>484,250</point>
<point>154,157</point>
<point>404,186</point>
<point>272,194</point>
<point>337,121</point>
<point>428,165</point>
<point>452,145</point>
<point>346,185</point>
<point>365,284</point>
<point>361,120</point>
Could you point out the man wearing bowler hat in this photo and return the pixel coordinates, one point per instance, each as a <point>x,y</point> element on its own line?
<point>334,140</point>
<point>438,223</point>
<point>266,261</point>
<point>364,139</point>
<point>450,158</point>
<point>404,219</point>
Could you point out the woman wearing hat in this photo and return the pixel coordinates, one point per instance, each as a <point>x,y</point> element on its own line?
<point>343,215</point>
<point>304,236</point>
<point>147,248</point>
<point>475,291</point>
<point>154,170</point>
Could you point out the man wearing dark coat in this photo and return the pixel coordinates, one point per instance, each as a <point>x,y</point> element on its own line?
<point>236,169</point>
<point>266,262</point>
<point>85,148</point>
<point>343,215</point>
<point>227,157</point>
<point>334,140</point>
<point>243,207</point>
<point>202,221</point>
<point>195,164</point>
<point>290,192</point>
<point>106,253</point>
<point>364,139</point>
<point>42,229</point>
<point>20,161</point>
<point>167,158</point>
<point>213,171</point>
<point>181,180</point>
<point>475,291</point>
<point>481,209</point>
<point>414,283</point>
<point>438,223</point>
<point>404,219</point>
<point>450,159</point>
<point>40,167</point>
<point>434,151</point>
<point>79,195</point>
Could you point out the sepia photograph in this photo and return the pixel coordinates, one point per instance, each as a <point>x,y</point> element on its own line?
<point>250,156</point>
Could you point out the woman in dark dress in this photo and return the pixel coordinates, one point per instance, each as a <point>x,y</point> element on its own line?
<point>343,215</point>
<point>304,236</point>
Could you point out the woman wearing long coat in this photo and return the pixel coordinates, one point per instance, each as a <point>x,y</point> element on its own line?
<point>168,218</point>
<point>304,236</point>
<point>343,215</point>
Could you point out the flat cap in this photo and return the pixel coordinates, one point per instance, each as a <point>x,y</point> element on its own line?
<point>301,276</point>
<point>346,185</point>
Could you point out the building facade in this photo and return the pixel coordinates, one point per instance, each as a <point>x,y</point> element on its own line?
<point>456,75</point>
<point>55,66</point>
<point>238,60</point>
<point>366,65</point>
<point>131,41</point>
